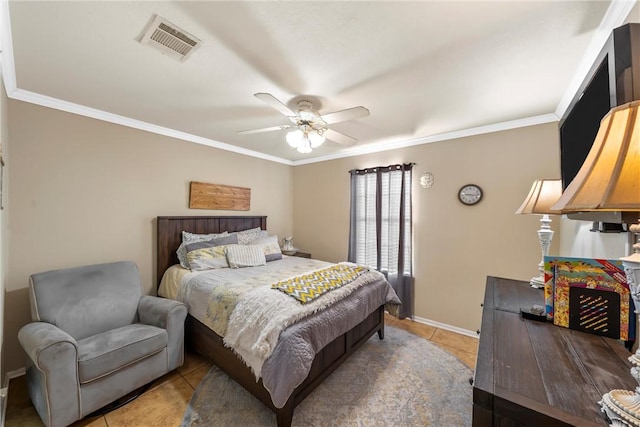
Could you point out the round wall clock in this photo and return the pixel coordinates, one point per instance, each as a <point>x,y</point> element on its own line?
<point>470,194</point>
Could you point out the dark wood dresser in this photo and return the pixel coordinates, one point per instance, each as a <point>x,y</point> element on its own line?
<point>532,373</point>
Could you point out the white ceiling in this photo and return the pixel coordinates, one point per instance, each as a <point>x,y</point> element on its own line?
<point>426,70</point>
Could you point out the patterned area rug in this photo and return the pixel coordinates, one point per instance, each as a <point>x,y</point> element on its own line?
<point>403,380</point>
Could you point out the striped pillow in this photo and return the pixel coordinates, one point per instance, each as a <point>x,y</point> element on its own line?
<point>270,247</point>
<point>240,256</point>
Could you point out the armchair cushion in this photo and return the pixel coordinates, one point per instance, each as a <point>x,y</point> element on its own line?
<point>104,353</point>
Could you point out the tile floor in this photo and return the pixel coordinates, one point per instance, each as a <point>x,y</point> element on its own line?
<point>164,403</point>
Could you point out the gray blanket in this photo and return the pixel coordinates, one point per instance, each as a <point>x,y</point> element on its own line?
<point>290,362</point>
<point>211,297</point>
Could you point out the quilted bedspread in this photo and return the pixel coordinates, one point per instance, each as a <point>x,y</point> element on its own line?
<point>263,313</point>
<point>273,333</point>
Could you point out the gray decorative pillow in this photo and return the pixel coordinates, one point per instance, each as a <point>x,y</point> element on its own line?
<point>189,238</point>
<point>270,247</point>
<point>246,236</point>
<point>220,241</point>
<point>240,256</point>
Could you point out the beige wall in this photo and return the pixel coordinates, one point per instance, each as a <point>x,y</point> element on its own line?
<point>455,247</point>
<point>83,191</point>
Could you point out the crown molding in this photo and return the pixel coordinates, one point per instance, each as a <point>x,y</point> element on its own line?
<point>58,104</point>
<point>70,107</point>
<point>616,14</point>
<point>393,145</point>
<point>7,66</point>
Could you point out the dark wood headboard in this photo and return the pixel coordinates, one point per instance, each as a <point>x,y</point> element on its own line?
<point>170,230</point>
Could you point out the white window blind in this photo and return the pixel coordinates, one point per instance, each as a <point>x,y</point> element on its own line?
<point>365,218</point>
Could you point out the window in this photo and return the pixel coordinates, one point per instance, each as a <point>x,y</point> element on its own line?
<point>380,229</point>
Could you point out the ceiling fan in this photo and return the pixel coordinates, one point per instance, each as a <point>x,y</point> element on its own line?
<point>310,128</point>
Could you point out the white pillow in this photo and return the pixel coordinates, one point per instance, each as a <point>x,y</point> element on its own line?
<point>240,256</point>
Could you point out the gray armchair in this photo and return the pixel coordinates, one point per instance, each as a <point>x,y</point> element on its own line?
<point>95,338</point>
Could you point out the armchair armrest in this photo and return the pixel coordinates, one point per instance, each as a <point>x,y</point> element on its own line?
<point>54,386</point>
<point>170,315</point>
<point>39,339</point>
<point>159,312</point>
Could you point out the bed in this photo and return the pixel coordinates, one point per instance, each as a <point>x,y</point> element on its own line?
<point>205,341</point>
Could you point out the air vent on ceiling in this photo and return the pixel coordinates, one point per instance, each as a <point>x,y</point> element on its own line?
<point>169,39</point>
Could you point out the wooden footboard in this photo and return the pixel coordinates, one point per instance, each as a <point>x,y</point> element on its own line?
<point>209,344</point>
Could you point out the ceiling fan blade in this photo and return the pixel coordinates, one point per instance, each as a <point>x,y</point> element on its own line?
<point>273,102</point>
<point>344,115</point>
<point>339,137</point>
<point>269,129</point>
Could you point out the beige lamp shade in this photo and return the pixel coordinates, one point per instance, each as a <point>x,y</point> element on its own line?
<point>609,179</point>
<point>543,194</point>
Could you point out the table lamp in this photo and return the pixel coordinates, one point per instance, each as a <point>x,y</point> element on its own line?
<point>543,194</point>
<point>609,180</point>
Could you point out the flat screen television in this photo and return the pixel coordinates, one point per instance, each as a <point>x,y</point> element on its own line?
<point>579,129</point>
<point>612,81</point>
<point>577,134</point>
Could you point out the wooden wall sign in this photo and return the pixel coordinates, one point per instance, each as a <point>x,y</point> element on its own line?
<point>219,197</point>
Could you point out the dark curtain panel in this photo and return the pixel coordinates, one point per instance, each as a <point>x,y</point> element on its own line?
<point>380,234</point>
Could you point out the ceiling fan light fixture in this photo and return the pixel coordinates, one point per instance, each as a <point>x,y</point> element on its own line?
<point>307,116</point>
<point>308,125</point>
<point>295,138</point>
<point>304,147</point>
<point>316,139</point>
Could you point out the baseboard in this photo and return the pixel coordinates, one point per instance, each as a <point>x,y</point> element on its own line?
<point>15,374</point>
<point>446,327</point>
<point>4,392</point>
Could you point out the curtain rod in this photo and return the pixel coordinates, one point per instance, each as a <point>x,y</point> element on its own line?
<point>404,166</point>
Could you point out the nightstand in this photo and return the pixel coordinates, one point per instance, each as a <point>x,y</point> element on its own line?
<point>302,254</point>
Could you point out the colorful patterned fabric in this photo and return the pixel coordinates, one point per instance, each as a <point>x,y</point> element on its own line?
<point>308,287</point>
<point>564,273</point>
